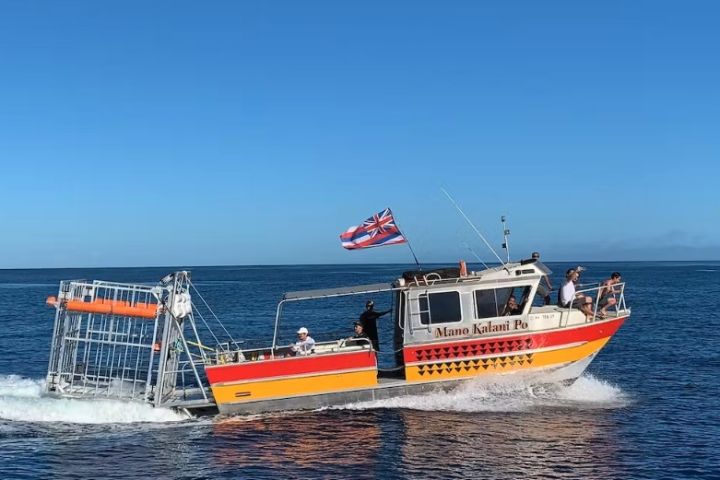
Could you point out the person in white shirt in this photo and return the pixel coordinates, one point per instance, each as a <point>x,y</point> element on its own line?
<point>569,298</point>
<point>305,343</point>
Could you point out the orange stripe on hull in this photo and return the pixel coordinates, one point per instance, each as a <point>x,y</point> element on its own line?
<point>289,387</point>
<point>505,363</point>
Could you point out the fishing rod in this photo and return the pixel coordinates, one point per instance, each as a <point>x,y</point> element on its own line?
<point>472,225</point>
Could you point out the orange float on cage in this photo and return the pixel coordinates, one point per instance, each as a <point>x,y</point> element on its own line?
<point>109,307</point>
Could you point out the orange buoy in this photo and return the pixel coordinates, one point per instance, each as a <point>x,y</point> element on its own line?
<point>109,307</point>
<point>463,268</point>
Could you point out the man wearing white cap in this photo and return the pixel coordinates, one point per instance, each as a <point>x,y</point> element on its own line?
<point>305,343</point>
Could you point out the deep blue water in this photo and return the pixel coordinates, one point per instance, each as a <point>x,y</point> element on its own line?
<point>647,408</point>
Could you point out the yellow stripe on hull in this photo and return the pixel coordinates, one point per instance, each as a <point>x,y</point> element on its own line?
<point>459,368</point>
<point>288,387</point>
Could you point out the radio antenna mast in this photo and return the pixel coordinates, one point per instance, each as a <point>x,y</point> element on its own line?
<point>471,225</point>
<point>475,255</point>
<point>506,234</point>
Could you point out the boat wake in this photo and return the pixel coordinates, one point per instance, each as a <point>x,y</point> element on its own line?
<point>510,395</point>
<point>22,399</point>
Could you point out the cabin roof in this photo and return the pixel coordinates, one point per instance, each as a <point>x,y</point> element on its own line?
<point>447,276</point>
<point>336,292</point>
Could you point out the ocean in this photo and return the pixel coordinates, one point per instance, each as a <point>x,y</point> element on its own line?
<point>648,406</point>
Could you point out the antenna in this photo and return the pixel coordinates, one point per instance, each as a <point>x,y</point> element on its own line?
<point>475,255</point>
<point>506,234</point>
<point>473,226</point>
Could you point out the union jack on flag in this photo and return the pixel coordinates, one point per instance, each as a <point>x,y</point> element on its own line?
<point>376,231</point>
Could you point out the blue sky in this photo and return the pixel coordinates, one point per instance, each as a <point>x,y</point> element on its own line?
<point>205,133</point>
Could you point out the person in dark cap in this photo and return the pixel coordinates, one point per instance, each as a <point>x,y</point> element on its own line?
<point>368,320</point>
<point>543,290</point>
<point>359,337</point>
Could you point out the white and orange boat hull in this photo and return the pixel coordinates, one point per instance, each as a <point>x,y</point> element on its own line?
<point>554,356</point>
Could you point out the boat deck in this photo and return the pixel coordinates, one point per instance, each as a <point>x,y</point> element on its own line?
<point>190,399</point>
<point>388,382</point>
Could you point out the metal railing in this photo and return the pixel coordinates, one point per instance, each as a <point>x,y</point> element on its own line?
<point>221,356</point>
<point>599,292</point>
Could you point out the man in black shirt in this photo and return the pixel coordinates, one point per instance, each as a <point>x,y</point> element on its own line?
<point>360,337</point>
<point>368,319</point>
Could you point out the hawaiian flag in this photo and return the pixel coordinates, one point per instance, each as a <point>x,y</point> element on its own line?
<point>376,231</point>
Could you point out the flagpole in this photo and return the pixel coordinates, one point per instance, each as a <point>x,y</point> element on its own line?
<point>413,252</point>
<point>407,240</point>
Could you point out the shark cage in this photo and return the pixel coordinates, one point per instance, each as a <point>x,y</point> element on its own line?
<point>131,342</point>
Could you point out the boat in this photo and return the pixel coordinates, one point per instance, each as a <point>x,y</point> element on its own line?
<point>148,343</point>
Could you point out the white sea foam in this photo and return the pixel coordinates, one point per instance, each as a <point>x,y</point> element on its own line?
<point>4,428</point>
<point>16,386</point>
<point>508,394</point>
<point>21,399</point>
<point>590,390</point>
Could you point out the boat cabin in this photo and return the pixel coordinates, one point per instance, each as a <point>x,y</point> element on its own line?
<point>445,304</point>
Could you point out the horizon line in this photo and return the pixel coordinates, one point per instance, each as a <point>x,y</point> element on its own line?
<point>346,264</point>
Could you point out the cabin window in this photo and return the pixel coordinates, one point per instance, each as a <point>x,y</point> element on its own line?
<point>493,301</point>
<point>442,307</point>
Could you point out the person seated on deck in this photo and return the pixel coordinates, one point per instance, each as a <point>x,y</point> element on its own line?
<point>511,307</point>
<point>607,293</point>
<point>567,297</point>
<point>360,338</point>
<point>305,344</point>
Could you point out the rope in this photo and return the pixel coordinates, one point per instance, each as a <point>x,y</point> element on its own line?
<point>389,353</point>
<point>217,340</point>
<point>200,345</point>
<point>213,314</point>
